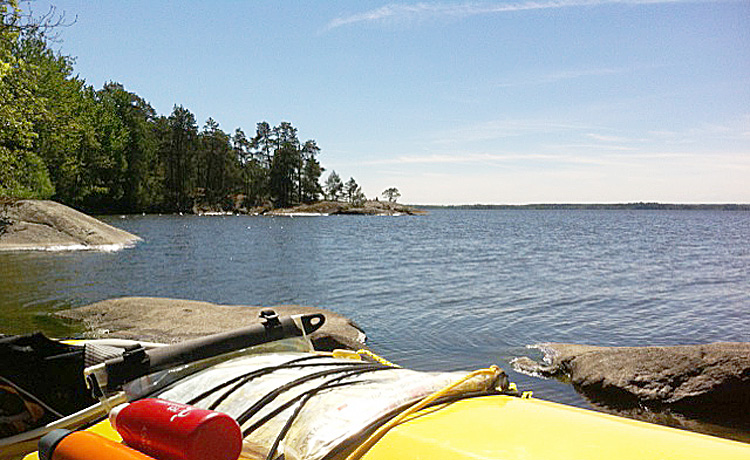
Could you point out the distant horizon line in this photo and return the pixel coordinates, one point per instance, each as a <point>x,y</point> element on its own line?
<point>636,205</point>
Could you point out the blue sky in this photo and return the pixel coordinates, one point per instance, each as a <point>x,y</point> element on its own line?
<point>516,102</point>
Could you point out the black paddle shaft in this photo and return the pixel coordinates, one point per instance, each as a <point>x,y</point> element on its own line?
<point>137,361</point>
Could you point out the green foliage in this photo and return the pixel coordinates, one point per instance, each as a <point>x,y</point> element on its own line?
<point>108,151</point>
<point>22,171</point>
<point>178,145</point>
<point>218,165</point>
<point>282,175</point>
<point>309,182</point>
<point>334,187</point>
<point>354,193</point>
<point>391,194</point>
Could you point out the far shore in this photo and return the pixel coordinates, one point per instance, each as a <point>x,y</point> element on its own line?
<point>43,225</point>
<point>602,206</point>
<point>328,208</point>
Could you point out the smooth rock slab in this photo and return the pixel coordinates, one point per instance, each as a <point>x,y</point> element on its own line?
<point>692,378</point>
<point>44,225</point>
<point>165,320</point>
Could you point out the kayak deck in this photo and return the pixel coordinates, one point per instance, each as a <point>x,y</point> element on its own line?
<point>510,428</point>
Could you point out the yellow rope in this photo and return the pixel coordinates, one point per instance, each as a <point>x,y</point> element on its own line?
<point>494,371</point>
<point>376,358</point>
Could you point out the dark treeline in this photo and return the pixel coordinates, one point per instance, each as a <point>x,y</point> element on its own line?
<point>108,150</point>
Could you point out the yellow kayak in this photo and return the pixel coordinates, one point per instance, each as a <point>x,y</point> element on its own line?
<point>303,404</point>
<point>511,428</point>
<point>495,426</point>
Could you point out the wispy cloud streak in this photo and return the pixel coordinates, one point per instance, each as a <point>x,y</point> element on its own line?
<point>564,76</point>
<point>395,12</point>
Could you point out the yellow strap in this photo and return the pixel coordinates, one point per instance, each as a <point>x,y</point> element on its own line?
<point>380,432</point>
<point>376,358</point>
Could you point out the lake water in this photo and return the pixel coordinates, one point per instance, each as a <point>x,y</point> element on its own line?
<point>456,289</point>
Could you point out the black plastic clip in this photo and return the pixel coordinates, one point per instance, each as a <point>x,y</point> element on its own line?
<point>93,384</point>
<point>134,361</point>
<point>270,320</point>
<point>134,353</point>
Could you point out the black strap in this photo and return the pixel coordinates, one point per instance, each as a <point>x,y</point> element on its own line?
<point>332,383</point>
<point>244,378</point>
<point>268,398</point>
<point>304,398</point>
<point>261,372</point>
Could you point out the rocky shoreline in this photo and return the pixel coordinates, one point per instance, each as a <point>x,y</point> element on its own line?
<point>703,388</point>
<point>47,225</point>
<point>157,319</point>
<point>693,380</point>
<point>324,208</point>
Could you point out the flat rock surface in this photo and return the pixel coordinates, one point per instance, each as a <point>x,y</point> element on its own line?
<point>42,224</point>
<point>689,377</point>
<point>173,320</point>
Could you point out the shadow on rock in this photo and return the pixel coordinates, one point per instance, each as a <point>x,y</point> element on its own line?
<point>704,388</point>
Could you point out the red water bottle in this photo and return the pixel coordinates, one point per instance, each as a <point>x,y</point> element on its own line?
<point>173,431</point>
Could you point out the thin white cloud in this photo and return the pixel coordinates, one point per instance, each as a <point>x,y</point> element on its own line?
<point>499,129</point>
<point>459,158</point>
<point>734,161</point>
<point>730,130</point>
<point>407,12</point>
<point>564,75</point>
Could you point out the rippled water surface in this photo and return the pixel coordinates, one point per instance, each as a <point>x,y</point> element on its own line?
<point>452,290</point>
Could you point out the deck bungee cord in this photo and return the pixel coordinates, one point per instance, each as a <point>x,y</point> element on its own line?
<point>269,397</point>
<point>343,373</point>
<point>303,399</point>
<point>493,371</point>
<point>243,379</point>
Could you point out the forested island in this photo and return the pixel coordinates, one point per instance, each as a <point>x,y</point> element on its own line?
<point>108,151</point>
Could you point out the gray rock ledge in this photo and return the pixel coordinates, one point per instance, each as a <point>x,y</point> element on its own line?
<point>44,225</point>
<point>690,378</point>
<point>173,320</point>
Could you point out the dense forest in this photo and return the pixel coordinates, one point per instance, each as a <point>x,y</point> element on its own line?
<point>107,150</point>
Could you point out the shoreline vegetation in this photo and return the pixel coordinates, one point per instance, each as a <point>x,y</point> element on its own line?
<point>48,225</point>
<point>108,151</point>
<point>43,225</point>
<point>327,208</point>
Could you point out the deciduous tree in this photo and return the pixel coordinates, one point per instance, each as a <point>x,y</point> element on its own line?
<point>22,172</point>
<point>391,194</point>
